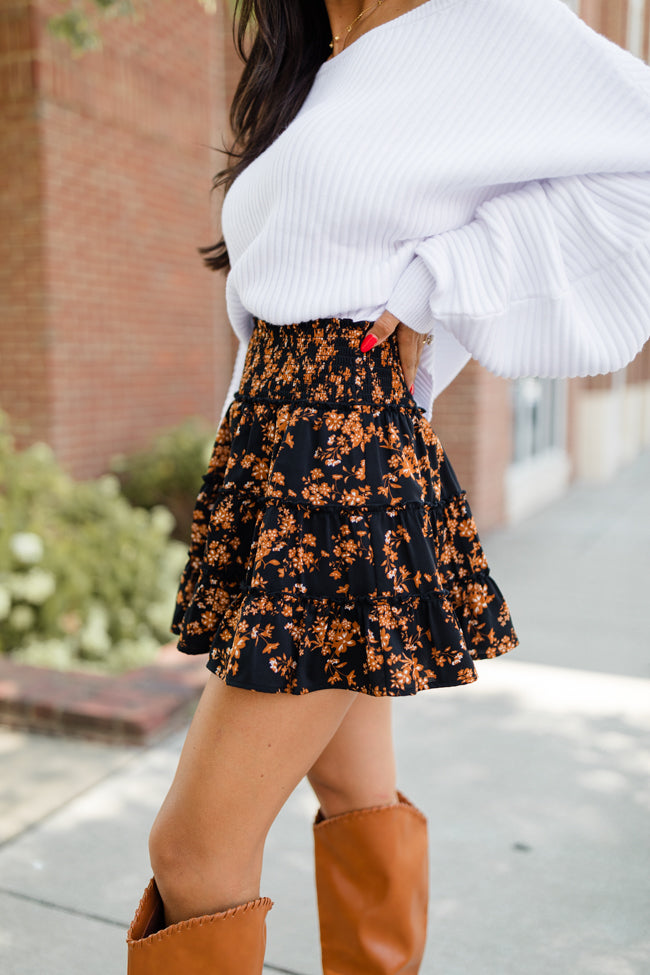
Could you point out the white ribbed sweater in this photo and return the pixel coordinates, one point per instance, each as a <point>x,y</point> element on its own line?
<point>480,168</point>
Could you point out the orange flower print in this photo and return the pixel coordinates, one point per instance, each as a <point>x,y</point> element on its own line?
<point>355,496</point>
<point>467,528</point>
<point>354,432</point>
<point>266,542</point>
<point>478,597</point>
<point>208,618</point>
<point>331,545</point>
<point>341,636</point>
<point>316,493</point>
<point>466,675</point>
<point>287,524</point>
<point>385,614</point>
<point>217,553</point>
<point>374,660</point>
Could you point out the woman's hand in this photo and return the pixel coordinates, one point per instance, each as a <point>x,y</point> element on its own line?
<point>409,342</point>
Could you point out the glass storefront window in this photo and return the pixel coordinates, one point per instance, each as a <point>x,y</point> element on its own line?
<point>539,414</point>
<point>635,26</point>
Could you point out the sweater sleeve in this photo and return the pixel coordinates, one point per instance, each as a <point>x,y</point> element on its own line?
<point>552,279</point>
<point>238,370</point>
<point>242,324</point>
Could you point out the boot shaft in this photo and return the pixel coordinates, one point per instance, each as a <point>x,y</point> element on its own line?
<point>372,887</point>
<point>229,943</point>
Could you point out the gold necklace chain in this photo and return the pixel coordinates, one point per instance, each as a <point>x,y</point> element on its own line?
<point>337,37</point>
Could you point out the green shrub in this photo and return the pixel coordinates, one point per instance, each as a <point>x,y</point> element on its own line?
<point>86,580</point>
<point>168,472</point>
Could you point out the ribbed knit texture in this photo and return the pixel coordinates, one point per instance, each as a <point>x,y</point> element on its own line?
<point>480,168</point>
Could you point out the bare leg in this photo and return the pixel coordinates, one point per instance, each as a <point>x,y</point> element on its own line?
<point>356,770</point>
<point>370,851</point>
<point>244,754</point>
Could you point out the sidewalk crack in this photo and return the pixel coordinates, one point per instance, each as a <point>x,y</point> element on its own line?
<point>281,971</point>
<point>63,909</point>
<point>108,920</point>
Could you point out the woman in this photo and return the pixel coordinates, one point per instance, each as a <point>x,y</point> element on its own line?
<point>472,171</point>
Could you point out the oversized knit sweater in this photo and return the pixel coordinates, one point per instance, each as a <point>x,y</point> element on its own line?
<point>481,169</point>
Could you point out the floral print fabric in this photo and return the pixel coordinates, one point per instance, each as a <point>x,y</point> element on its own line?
<point>332,545</point>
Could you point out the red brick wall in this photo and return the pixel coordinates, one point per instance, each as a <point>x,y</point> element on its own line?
<point>608,17</point>
<point>24,338</point>
<point>473,418</point>
<point>132,325</point>
<point>638,370</point>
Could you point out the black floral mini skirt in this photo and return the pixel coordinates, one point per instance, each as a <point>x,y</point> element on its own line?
<point>332,546</point>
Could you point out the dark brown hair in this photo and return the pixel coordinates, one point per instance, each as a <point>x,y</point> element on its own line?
<point>287,41</point>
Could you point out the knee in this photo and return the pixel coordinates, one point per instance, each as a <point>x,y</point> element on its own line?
<point>200,874</point>
<point>181,851</point>
<point>178,852</point>
<point>171,852</point>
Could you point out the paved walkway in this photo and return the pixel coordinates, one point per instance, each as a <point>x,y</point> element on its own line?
<point>534,779</point>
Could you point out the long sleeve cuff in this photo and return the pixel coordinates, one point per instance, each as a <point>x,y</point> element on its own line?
<point>410,298</point>
<point>551,279</point>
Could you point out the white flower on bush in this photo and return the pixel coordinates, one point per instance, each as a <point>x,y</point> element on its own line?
<point>127,654</point>
<point>162,520</point>
<point>126,619</point>
<point>39,652</point>
<point>5,603</point>
<point>109,485</point>
<point>22,618</point>
<point>26,547</point>
<point>36,586</point>
<point>94,639</point>
<point>40,452</point>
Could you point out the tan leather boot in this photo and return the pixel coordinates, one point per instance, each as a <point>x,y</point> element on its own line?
<point>372,882</point>
<point>230,943</point>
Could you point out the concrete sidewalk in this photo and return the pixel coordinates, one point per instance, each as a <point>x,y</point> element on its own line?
<point>535,781</point>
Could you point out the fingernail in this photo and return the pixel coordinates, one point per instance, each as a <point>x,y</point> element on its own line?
<point>368,343</point>
<point>411,388</point>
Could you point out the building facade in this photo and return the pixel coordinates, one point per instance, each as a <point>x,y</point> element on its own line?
<point>517,445</point>
<point>110,327</point>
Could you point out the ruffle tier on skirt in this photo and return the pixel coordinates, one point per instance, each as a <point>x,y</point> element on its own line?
<point>332,546</point>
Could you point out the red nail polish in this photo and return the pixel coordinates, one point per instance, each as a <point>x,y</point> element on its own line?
<point>368,343</point>
<point>412,388</point>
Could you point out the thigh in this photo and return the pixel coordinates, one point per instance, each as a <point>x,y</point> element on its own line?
<point>356,769</point>
<point>244,753</point>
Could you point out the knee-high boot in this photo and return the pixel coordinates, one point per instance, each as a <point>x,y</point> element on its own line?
<point>372,881</point>
<point>229,943</point>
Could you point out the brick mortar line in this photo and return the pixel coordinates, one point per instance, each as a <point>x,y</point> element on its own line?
<point>17,57</point>
<point>135,707</point>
